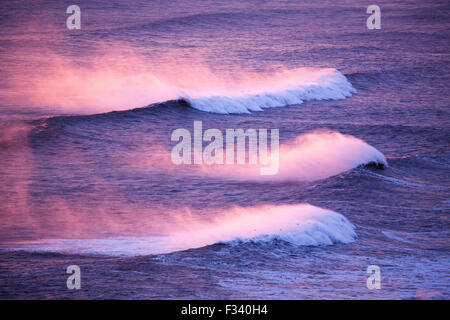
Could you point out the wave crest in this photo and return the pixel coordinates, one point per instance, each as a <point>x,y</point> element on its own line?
<point>312,156</point>
<point>300,224</point>
<point>114,79</point>
<point>294,87</point>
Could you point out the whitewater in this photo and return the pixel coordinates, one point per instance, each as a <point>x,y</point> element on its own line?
<point>283,89</point>
<point>300,225</point>
<point>104,87</point>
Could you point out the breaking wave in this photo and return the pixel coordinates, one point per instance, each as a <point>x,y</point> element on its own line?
<point>114,81</point>
<point>301,225</point>
<point>312,156</point>
<point>293,88</point>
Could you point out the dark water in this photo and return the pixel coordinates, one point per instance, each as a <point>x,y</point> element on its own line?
<point>81,172</point>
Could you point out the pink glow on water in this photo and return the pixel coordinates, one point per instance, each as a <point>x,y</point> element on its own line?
<point>120,78</point>
<point>312,156</point>
<point>300,224</point>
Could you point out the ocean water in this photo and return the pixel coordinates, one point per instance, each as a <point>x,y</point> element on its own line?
<point>86,176</point>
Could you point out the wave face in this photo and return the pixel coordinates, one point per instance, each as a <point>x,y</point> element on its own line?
<point>300,224</point>
<point>312,156</point>
<point>283,89</point>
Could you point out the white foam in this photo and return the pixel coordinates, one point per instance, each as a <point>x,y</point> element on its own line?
<point>295,87</point>
<point>311,156</point>
<point>301,224</point>
<point>395,236</point>
<point>115,81</point>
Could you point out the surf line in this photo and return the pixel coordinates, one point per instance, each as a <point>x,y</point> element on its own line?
<point>235,153</point>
